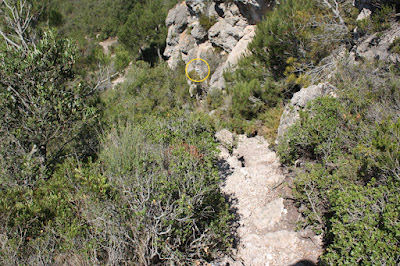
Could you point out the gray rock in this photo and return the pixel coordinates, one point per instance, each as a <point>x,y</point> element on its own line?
<point>232,33</point>
<point>199,33</point>
<point>269,216</point>
<point>196,7</point>
<point>178,16</point>
<point>253,10</point>
<point>365,13</point>
<point>299,101</point>
<point>266,225</point>
<point>377,46</point>
<point>178,46</point>
<point>222,34</point>
<point>173,37</point>
<point>217,80</point>
<point>186,42</point>
<point>225,137</point>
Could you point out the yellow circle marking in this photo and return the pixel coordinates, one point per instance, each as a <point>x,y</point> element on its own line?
<point>187,75</point>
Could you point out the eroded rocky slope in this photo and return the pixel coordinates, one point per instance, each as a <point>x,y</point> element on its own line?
<point>218,32</point>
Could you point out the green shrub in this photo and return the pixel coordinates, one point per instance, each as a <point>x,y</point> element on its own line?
<point>214,99</point>
<point>122,58</point>
<point>206,21</point>
<point>394,47</point>
<point>348,191</point>
<point>48,220</point>
<point>286,32</point>
<point>364,226</point>
<point>171,201</point>
<point>378,21</point>
<point>317,134</point>
<point>251,98</point>
<point>146,91</point>
<point>43,108</point>
<point>285,47</point>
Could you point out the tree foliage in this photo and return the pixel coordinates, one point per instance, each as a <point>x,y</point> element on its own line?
<point>145,27</point>
<point>42,110</point>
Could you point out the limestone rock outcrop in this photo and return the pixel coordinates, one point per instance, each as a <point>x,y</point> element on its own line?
<point>377,45</point>
<point>216,31</point>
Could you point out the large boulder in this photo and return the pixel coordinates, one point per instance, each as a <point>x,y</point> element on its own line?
<point>254,10</point>
<point>178,16</point>
<point>299,101</point>
<point>224,35</point>
<point>196,7</point>
<point>199,33</point>
<point>217,80</point>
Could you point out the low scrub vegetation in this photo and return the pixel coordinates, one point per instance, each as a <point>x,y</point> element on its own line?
<point>349,186</point>
<point>129,175</point>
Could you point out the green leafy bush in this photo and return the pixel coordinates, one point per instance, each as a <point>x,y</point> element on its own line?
<point>122,58</point>
<point>145,26</point>
<point>348,190</point>
<point>364,226</point>
<point>286,46</point>
<point>287,32</point>
<point>43,108</point>
<point>317,134</point>
<point>378,21</point>
<point>146,91</point>
<point>48,220</point>
<point>394,47</point>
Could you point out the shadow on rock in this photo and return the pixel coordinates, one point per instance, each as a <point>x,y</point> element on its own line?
<point>225,170</point>
<point>304,263</point>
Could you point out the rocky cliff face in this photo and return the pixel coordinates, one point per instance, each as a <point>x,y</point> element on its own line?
<point>216,31</point>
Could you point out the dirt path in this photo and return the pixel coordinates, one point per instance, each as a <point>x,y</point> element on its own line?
<point>254,183</point>
<point>106,44</point>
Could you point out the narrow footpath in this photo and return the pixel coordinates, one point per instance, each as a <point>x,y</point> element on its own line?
<point>254,183</point>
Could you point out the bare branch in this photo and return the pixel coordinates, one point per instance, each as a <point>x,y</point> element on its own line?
<point>335,10</point>
<point>18,18</point>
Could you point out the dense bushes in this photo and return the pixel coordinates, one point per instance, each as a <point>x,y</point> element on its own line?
<point>145,29</point>
<point>289,44</point>
<point>364,226</point>
<point>147,91</point>
<point>379,21</point>
<point>39,223</point>
<point>152,197</point>
<point>165,170</point>
<point>85,18</point>
<point>43,108</point>
<point>300,30</point>
<point>348,190</point>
